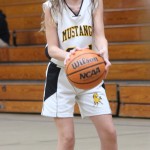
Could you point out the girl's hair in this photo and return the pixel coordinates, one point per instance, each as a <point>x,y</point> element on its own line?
<point>55,9</point>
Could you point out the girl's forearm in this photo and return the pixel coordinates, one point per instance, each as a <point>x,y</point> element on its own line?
<point>57,53</point>
<point>102,46</point>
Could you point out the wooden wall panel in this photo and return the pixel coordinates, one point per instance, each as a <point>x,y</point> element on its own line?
<point>34,91</point>
<point>27,98</point>
<point>129,71</point>
<point>107,3</point>
<point>118,71</point>
<point>111,91</point>
<point>123,51</point>
<point>125,3</point>
<point>30,37</point>
<point>24,23</point>
<point>20,107</point>
<point>111,17</point>
<point>129,16</point>
<point>113,34</point>
<point>113,107</point>
<point>135,100</point>
<point>134,110</point>
<point>4,54</point>
<point>23,54</point>
<point>145,32</point>
<point>21,92</point>
<point>22,72</point>
<point>17,2</point>
<point>126,51</point>
<point>135,94</point>
<point>122,34</point>
<point>22,10</point>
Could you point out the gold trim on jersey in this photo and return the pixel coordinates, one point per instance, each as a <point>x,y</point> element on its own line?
<point>82,30</point>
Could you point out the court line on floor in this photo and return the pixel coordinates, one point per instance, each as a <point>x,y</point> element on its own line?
<point>77,138</point>
<point>76,122</point>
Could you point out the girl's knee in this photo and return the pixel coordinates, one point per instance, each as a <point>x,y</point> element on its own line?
<point>111,134</point>
<point>68,140</point>
<point>109,139</point>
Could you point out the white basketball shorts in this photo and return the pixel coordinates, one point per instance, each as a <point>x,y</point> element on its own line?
<point>60,96</point>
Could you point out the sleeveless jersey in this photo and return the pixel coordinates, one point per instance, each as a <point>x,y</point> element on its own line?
<point>73,30</point>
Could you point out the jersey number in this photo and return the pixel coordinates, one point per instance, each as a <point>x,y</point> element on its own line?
<point>71,48</point>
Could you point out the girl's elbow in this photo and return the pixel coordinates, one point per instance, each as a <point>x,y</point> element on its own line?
<point>51,51</point>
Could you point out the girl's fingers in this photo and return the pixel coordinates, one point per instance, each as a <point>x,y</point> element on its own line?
<point>72,52</point>
<point>76,49</point>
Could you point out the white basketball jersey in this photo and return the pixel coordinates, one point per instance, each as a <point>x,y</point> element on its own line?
<point>73,30</point>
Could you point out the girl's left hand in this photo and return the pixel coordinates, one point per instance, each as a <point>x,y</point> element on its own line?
<point>104,53</point>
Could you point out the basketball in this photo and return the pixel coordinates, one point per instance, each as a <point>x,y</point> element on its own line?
<point>85,69</point>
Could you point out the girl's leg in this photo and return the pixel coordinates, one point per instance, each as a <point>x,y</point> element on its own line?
<point>66,137</point>
<point>106,131</point>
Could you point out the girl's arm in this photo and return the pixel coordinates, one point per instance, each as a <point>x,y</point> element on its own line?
<point>52,38</point>
<point>99,35</point>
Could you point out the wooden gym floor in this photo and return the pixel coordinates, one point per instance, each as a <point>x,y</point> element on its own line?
<point>34,132</point>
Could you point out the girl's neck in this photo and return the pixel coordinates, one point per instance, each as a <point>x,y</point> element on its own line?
<point>74,5</point>
<point>73,2</point>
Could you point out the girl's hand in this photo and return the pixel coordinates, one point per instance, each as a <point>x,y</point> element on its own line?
<point>72,52</point>
<point>104,53</point>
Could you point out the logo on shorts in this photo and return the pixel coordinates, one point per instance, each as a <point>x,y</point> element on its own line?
<point>97,99</point>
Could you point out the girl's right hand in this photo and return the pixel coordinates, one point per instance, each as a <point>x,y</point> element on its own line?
<point>72,52</point>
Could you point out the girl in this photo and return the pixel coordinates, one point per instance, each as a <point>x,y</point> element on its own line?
<point>72,25</point>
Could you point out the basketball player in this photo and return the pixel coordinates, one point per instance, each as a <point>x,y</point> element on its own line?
<point>70,24</point>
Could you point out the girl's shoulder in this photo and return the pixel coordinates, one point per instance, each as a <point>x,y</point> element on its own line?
<point>47,4</point>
